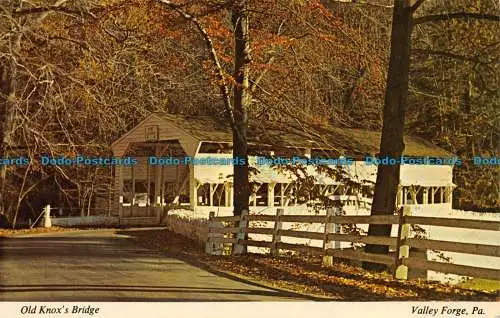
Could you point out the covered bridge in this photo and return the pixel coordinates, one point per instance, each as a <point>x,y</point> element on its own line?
<point>143,189</point>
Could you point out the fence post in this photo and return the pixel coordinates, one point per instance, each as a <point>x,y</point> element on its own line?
<point>327,244</point>
<point>239,247</point>
<point>213,247</point>
<point>402,248</point>
<point>46,217</point>
<point>278,225</point>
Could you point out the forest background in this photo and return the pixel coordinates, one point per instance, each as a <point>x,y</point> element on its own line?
<point>76,75</point>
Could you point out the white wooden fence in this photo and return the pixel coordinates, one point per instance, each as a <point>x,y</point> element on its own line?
<point>231,230</point>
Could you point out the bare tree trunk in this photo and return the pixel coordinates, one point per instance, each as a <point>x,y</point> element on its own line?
<point>5,88</point>
<point>241,104</point>
<point>237,110</point>
<point>8,75</point>
<point>392,143</point>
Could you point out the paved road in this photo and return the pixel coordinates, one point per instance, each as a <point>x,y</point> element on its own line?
<point>103,266</point>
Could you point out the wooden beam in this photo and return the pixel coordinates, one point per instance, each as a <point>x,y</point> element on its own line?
<point>366,239</point>
<point>469,248</point>
<point>268,218</point>
<point>218,239</point>
<point>259,230</point>
<point>355,219</point>
<point>302,234</point>
<point>452,268</point>
<point>449,222</point>
<point>227,218</point>
<point>362,256</point>
<point>224,230</point>
<point>302,248</point>
<point>255,243</point>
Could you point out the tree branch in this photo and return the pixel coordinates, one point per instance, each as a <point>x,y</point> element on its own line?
<point>473,59</point>
<point>454,16</point>
<point>416,5</point>
<point>270,61</point>
<point>223,86</point>
<point>54,8</point>
<point>368,3</point>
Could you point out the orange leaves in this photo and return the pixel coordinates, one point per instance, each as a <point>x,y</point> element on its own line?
<point>216,28</point>
<point>265,41</point>
<point>173,34</point>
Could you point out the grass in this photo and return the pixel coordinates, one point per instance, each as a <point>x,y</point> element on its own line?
<point>35,230</point>
<point>481,284</point>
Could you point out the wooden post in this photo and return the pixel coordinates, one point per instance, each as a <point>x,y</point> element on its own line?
<point>148,180</point>
<point>193,188</point>
<point>157,198</point>
<point>239,247</point>
<point>402,248</point>
<point>414,196</point>
<point>282,194</point>
<point>211,198</point>
<point>270,193</point>
<point>110,187</point>
<point>132,200</point>
<point>212,246</point>
<point>278,225</point>
<point>400,196</point>
<point>295,190</point>
<point>119,192</point>
<point>329,227</point>
<point>449,194</point>
<point>425,195</point>
<point>162,185</point>
<point>46,217</point>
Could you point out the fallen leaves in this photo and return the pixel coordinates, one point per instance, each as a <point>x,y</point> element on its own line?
<point>305,274</point>
<point>36,230</point>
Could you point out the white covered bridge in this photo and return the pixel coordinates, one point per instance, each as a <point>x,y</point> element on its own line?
<point>144,189</point>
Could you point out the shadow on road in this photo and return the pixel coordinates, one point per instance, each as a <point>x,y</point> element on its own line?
<point>101,255</point>
<point>189,255</point>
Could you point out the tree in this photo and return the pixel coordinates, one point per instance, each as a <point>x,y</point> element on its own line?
<point>392,143</point>
<point>242,100</point>
<point>396,95</point>
<point>454,80</point>
<point>236,110</point>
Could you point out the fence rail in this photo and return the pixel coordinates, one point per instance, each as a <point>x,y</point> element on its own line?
<point>238,227</point>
